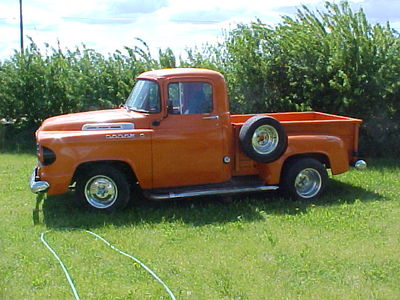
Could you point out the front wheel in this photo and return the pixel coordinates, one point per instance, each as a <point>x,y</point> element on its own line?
<point>304,179</point>
<point>104,188</point>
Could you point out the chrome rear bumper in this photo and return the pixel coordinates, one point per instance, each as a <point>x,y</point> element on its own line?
<point>360,165</point>
<point>37,186</point>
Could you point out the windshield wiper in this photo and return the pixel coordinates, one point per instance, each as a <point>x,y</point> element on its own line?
<point>125,106</point>
<point>139,110</point>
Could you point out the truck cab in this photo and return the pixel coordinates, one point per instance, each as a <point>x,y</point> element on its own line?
<point>175,137</point>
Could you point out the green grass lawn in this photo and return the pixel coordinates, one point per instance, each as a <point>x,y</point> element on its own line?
<point>346,246</point>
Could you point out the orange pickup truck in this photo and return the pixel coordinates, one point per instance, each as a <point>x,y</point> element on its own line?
<point>175,138</point>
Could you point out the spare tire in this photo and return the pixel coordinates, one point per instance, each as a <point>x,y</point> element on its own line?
<point>263,138</point>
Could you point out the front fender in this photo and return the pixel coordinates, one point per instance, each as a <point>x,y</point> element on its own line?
<point>74,148</point>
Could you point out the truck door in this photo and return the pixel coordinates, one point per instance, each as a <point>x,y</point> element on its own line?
<point>188,144</point>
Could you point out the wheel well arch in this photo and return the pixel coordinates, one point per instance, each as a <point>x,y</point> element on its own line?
<point>321,157</point>
<point>120,165</point>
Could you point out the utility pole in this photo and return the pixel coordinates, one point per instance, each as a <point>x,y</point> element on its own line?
<point>21,26</point>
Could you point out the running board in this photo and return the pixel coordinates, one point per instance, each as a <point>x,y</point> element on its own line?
<point>154,195</point>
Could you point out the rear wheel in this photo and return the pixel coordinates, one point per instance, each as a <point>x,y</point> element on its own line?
<point>304,179</point>
<point>104,188</point>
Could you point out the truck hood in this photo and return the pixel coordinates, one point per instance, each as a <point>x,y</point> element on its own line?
<point>74,122</point>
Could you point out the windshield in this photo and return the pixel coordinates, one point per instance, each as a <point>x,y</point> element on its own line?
<point>145,97</point>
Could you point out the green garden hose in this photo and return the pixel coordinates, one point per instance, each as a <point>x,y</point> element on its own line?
<point>69,279</point>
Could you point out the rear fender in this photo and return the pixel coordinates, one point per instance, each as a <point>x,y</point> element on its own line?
<point>330,150</point>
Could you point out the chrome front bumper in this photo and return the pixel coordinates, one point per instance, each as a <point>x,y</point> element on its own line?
<point>38,186</point>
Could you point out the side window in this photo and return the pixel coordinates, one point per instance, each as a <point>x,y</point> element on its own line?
<point>190,97</point>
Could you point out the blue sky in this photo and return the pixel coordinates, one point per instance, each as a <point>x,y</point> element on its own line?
<point>107,25</point>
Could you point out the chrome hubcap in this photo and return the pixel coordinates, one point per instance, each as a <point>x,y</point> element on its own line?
<point>308,183</point>
<point>265,139</point>
<point>101,191</point>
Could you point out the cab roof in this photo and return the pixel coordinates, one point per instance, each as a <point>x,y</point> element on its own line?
<point>181,72</point>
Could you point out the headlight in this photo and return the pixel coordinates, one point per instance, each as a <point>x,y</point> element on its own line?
<point>46,156</point>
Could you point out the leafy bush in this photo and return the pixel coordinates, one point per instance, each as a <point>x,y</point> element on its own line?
<point>332,61</point>
<point>34,86</point>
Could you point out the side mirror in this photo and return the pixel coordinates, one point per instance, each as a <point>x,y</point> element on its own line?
<point>170,108</point>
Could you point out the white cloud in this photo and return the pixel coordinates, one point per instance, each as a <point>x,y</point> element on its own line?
<point>107,25</point>
<point>382,10</point>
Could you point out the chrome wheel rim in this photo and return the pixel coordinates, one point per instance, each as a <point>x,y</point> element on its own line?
<point>265,139</point>
<point>101,191</point>
<point>308,183</point>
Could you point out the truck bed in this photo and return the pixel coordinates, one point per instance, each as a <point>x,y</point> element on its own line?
<point>300,124</point>
<point>297,117</point>
<point>308,123</point>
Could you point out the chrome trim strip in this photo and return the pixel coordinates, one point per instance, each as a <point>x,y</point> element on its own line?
<point>209,192</point>
<point>108,126</point>
<point>211,118</point>
<point>38,186</point>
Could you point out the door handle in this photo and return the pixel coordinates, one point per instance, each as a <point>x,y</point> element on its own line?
<point>211,118</point>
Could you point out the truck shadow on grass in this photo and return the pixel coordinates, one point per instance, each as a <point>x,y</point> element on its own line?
<point>59,211</point>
